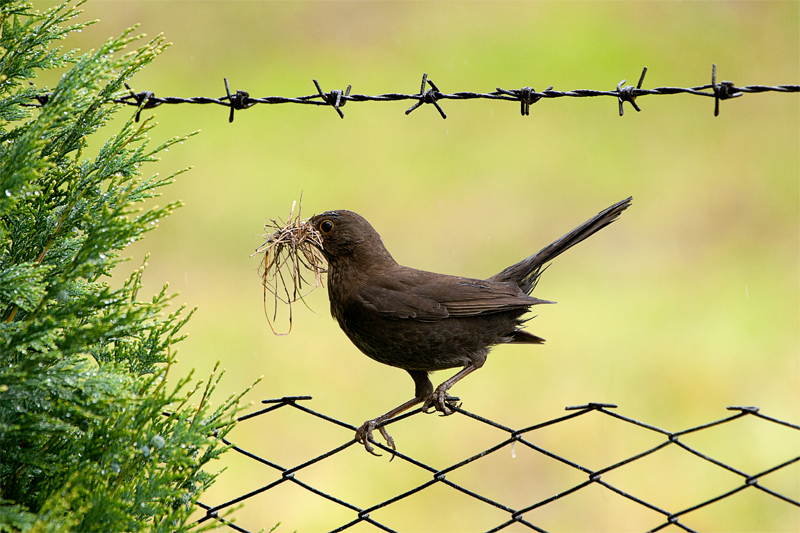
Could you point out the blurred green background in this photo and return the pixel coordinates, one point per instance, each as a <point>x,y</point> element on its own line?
<point>688,304</point>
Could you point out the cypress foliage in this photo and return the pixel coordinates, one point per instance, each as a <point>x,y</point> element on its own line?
<point>92,437</point>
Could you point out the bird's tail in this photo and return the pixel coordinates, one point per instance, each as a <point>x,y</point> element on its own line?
<point>526,272</point>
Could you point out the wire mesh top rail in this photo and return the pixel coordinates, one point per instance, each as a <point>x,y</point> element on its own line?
<point>678,518</point>
<point>429,93</point>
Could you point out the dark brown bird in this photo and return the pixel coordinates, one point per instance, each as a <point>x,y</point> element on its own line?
<point>422,321</point>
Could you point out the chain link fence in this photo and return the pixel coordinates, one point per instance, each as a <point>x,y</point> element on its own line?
<point>526,437</point>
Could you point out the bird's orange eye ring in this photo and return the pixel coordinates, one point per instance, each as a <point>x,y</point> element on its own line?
<point>326,226</point>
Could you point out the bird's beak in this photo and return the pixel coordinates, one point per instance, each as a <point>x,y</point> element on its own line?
<point>312,229</point>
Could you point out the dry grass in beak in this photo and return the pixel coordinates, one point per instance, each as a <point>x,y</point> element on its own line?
<point>290,248</point>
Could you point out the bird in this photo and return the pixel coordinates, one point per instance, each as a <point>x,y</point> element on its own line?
<point>422,321</point>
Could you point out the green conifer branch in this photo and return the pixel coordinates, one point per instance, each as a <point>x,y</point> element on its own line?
<point>92,435</point>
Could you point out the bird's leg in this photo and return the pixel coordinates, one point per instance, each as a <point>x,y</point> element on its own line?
<point>364,433</point>
<point>439,400</point>
<point>422,390</point>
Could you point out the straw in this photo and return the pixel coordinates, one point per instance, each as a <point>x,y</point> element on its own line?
<point>291,247</point>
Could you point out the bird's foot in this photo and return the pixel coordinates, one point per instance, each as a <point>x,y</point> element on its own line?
<point>440,401</point>
<point>364,436</point>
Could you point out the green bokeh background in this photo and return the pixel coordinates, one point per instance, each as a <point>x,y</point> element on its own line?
<point>688,304</point>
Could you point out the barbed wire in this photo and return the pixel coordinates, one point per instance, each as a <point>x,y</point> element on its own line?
<point>679,518</point>
<point>526,96</point>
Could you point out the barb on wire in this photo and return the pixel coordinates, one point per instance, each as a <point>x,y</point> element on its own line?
<point>627,94</point>
<point>144,100</point>
<point>334,98</point>
<point>428,97</point>
<point>680,518</point>
<point>723,91</point>
<point>526,96</point>
<point>239,100</point>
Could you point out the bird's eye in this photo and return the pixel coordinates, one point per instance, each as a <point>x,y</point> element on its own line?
<point>326,226</point>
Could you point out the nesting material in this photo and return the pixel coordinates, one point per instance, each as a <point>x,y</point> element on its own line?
<point>291,250</point>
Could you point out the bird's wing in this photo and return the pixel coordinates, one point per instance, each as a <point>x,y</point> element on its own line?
<point>390,302</point>
<point>431,298</point>
<point>477,297</point>
<point>483,298</point>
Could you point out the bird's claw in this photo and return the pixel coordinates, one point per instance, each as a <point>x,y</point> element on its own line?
<point>440,401</point>
<point>364,436</point>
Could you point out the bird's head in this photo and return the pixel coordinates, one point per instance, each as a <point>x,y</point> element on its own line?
<point>347,236</point>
